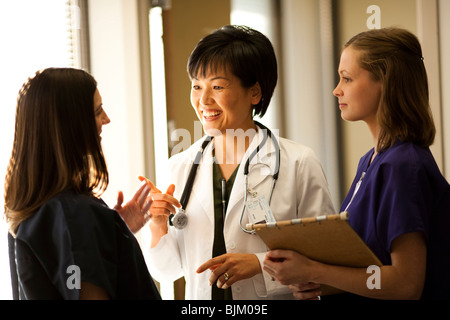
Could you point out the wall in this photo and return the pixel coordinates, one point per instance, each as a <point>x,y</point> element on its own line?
<point>308,81</point>
<point>185,23</point>
<point>428,34</point>
<point>444,34</point>
<point>264,16</point>
<point>115,63</point>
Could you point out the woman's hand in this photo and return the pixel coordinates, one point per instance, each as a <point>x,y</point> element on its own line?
<point>306,291</point>
<point>164,204</point>
<point>288,267</point>
<point>135,212</point>
<point>291,268</point>
<point>230,268</point>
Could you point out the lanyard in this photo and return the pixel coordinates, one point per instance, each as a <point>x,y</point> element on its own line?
<point>358,185</point>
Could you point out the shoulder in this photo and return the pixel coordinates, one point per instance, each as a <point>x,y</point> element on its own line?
<point>71,200</point>
<point>299,161</point>
<point>407,156</point>
<point>294,149</point>
<point>189,153</point>
<point>406,152</point>
<point>183,161</point>
<point>297,153</point>
<point>81,206</point>
<point>410,167</point>
<point>66,210</point>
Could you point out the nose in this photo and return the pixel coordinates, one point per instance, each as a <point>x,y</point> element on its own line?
<point>206,98</point>
<point>337,91</point>
<point>105,119</point>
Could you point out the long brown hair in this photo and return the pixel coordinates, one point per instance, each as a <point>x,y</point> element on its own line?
<point>56,144</point>
<point>394,57</point>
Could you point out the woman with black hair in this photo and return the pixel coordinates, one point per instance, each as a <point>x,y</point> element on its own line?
<point>233,72</point>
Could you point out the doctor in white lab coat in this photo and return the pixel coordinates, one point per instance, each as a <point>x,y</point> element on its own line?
<point>301,191</point>
<point>229,87</point>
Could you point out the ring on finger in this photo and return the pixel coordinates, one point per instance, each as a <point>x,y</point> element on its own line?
<point>226,276</point>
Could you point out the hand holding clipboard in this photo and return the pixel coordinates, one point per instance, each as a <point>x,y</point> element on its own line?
<point>327,239</point>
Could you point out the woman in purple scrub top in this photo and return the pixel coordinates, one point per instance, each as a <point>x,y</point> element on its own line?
<point>399,202</point>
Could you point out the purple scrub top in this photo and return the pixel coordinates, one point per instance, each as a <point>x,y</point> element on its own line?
<point>403,191</point>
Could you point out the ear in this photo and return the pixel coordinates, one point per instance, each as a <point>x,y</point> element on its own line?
<point>256,93</point>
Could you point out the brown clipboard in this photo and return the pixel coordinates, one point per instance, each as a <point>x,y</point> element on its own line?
<point>329,239</point>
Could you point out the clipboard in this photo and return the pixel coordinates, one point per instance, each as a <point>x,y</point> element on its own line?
<point>329,239</point>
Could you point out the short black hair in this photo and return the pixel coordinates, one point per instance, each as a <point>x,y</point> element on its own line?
<point>245,52</point>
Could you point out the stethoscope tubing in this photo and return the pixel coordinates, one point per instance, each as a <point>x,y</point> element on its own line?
<point>179,220</point>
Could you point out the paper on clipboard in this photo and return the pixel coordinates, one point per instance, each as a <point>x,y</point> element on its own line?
<point>328,239</point>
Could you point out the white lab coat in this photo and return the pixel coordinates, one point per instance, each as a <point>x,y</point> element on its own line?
<point>301,191</point>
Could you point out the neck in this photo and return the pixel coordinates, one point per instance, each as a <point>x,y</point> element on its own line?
<point>374,129</point>
<point>230,147</point>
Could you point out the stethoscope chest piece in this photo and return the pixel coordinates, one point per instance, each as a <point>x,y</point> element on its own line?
<point>179,220</point>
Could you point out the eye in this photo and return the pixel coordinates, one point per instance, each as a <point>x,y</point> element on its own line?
<point>99,111</point>
<point>346,79</point>
<point>217,87</point>
<point>195,87</point>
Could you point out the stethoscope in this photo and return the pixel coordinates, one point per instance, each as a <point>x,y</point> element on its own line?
<point>179,220</point>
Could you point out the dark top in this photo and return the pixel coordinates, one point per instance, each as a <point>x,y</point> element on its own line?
<point>403,191</point>
<point>219,247</point>
<point>76,238</point>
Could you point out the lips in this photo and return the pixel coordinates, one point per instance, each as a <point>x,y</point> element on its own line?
<point>211,114</point>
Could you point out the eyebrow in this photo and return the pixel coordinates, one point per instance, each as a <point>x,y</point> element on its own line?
<point>215,78</point>
<point>341,72</point>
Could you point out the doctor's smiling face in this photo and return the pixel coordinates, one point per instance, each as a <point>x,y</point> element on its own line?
<point>221,102</point>
<point>358,92</point>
